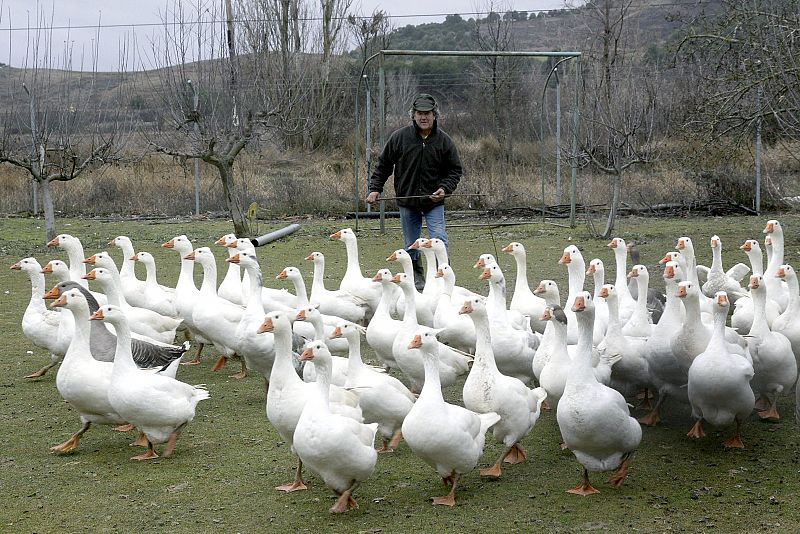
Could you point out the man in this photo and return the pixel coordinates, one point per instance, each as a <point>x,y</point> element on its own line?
<point>426,168</point>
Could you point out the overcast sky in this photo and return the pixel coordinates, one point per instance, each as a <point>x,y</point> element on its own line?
<point>134,23</point>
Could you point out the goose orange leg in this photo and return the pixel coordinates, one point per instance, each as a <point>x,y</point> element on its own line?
<point>173,438</point>
<point>220,363</point>
<point>585,487</point>
<point>395,441</point>
<point>450,498</point>
<point>196,359</point>
<point>43,371</point>
<point>297,484</point>
<point>127,427</point>
<point>697,430</point>
<point>140,441</point>
<point>241,374</point>
<point>735,442</point>
<point>149,454</point>
<point>771,413</point>
<point>345,501</point>
<point>72,442</point>
<point>618,478</point>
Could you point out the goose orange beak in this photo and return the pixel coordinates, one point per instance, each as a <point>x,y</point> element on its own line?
<point>91,275</point>
<point>282,275</point>
<point>18,267</point>
<point>396,278</point>
<point>97,316</point>
<point>189,256</point>
<point>59,302</point>
<point>781,273</point>
<point>266,326</point>
<point>310,257</point>
<point>91,259</point>
<point>427,244</point>
<point>579,305</point>
<point>508,248</point>
<point>603,292</point>
<point>392,257</point>
<point>306,355</point>
<point>414,245</point>
<point>47,269</point>
<point>767,230</point>
<point>54,293</point>
<point>301,316</point>
<point>753,283</point>
<point>168,244</point>
<point>546,315</point>
<point>565,259</point>
<point>337,333</point>
<point>669,272</point>
<point>612,244</point>
<point>485,275</point>
<point>439,274</point>
<point>53,242</point>
<point>336,235</point>
<point>591,269</point>
<point>233,259</point>
<point>220,241</point>
<point>466,308</point>
<point>479,264</point>
<point>415,343</point>
<point>377,277</point>
<point>681,291</point>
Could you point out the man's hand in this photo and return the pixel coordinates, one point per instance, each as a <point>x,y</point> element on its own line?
<point>373,197</point>
<point>438,195</point>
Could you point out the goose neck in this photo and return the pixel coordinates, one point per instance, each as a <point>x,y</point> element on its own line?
<point>353,267</point>
<point>255,302</point>
<point>209,285</point>
<point>318,280</point>
<point>756,261</point>
<point>432,388</point>
<point>760,326</point>
<point>123,357</point>
<point>716,259</point>
<point>300,291</point>
<point>410,313</point>
<point>354,361</point>
<point>577,276</point>
<point>521,281</point>
<point>484,354</point>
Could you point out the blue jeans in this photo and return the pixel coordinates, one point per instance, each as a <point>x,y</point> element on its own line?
<point>411,223</point>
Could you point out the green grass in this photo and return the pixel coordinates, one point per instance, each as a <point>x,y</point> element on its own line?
<point>227,462</point>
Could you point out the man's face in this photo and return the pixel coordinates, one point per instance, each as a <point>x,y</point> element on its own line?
<point>424,119</point>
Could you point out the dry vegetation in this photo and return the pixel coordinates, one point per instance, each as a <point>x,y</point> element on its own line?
<point>295,183</point>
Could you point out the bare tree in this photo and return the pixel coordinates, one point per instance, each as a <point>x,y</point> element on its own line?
<point>500,76</point>
<point>739,51</point>
<point>620,100</point>
<point>60,121</point>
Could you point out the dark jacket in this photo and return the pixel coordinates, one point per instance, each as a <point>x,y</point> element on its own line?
<point>420,166</point>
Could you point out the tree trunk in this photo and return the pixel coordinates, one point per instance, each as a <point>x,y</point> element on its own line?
<point>49,212</point>
<point>241,225</point>
<point>616,186</point>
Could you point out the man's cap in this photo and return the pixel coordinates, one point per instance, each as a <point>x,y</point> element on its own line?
<point>423,102</point>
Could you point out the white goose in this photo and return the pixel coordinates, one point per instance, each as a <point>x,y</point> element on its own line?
<point>776,289</point>
<point>594,419</point>
<point>132,287</point>
<point>456,330</point>
<point>158,405</point>
<point>598,271</point>
<point>158,298</point>
<point>72,245</point>
<point>353,281</point>
<point>690,268</point>
<point>451,363</point>
<point>336,448</point>
<point>639,324</point>
<point>742,318</point>
<point>719,382</point>
<point>440,252</point>
<point>548,290</point>
<point>626,302</point>
<point>258,350</point>
<point>773,360</point>
<point>272,299</point>
<point>514,348</point>
<point>57,268</point>
<point>339,303</point>
<point>666,374</point>
<point>524,300</point>
<point>339,365</point>
<point>382,328</point>
<point>383,398</point>
<point>186,292</point>
<point>788,323</point>
<point>692,337</point>
<point>576,269</point>
<point>215,317</point>
<point>143,321</point>
<point>553,376</point>
<point>48,329</point>
<point>310,329</point>
<point>425,304</point>
<point>83,381</point>
<point>487,390</point>
<point>719,280</point>
<point>631,372</point>
<point>433,286</point>
<point>288,393</point>
<point>231,286</point>
<point>447,437</point>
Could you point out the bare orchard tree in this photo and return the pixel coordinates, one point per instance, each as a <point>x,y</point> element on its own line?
<point>620,99</point>
<point>499,76</point>
<point>242,84</point>
<point>746,61</point>
<point>61,121</point>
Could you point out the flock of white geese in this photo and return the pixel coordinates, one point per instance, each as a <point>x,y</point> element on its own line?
<point>588,352</point>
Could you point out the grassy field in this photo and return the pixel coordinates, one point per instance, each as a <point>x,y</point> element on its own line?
<point>227,462</point>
